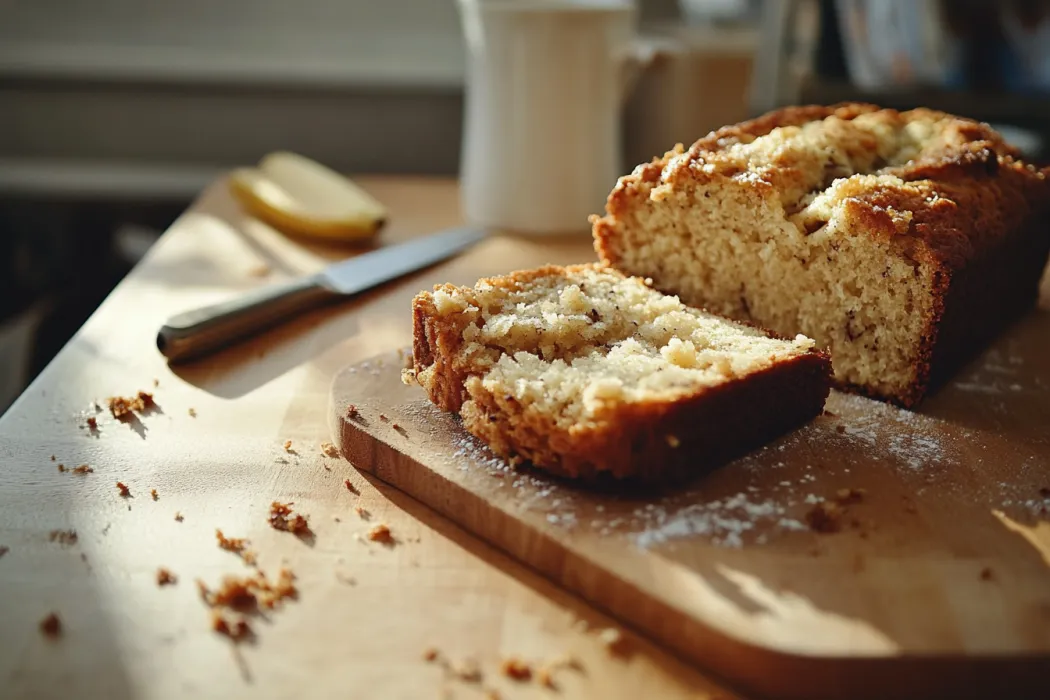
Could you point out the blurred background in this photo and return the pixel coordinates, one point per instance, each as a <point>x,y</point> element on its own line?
<point>114,114</point>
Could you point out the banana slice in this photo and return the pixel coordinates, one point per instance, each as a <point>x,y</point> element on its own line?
<point>304,198</point>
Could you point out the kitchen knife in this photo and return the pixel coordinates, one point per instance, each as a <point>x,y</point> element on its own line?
<point>196,333</point>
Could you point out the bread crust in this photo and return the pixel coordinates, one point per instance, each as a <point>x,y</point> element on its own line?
<point>975,215</point>
<point>651,440</point>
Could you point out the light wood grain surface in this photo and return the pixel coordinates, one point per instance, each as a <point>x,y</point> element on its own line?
<point>123,636</point>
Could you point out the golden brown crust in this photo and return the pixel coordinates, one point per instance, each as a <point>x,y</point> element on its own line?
<point>960,197</point>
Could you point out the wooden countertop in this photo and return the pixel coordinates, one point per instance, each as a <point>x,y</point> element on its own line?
<point>124,636</point>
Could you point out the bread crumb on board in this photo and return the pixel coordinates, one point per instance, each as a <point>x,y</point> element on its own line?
<point>52,458</point>
<point>121,407</point>
<point>83,469</point>
<point>431,654</point>
<point>178,517</point>
<point>61,468</point>
<point>192,411</point>
<point>362,512</point>
<point>237,545</point>
<point>288,447</point>
<point>329,449</point>
<point>824,517</point>
<point>66,538</point>
<point>466,669</point>
<point>153,494</point>
<point>125,492</point>
<point>516,669</point>
<point>283,518</point>
<point>4,549</point>
<point>165,577</point>
<point>408,377</point>
<point>239,596</point>
<point>92,423</point>
<point>51,626</point>
<point>350,487</point>
<point>381,533</point>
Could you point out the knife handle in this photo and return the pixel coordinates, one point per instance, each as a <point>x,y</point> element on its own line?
<point>198,332</point>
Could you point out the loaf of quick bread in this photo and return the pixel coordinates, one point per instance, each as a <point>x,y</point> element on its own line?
<point>583,371</point>
<point>900,241</point>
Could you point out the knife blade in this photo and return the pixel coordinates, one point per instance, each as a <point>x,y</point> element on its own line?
<point>196,333</point>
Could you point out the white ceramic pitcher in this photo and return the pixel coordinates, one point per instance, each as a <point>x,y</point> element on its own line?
<point>545,84</point>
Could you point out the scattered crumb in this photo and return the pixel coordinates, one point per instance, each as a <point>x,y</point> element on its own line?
<point>122,407</point>
<point>92,423</point>
<point>364,514</point>
<point>260,270</point>
<point>408,377</point>
<point>83,469</point>
<point>840,428</point>
<point>612,639</point>
<point>343,578</point>
<point>824,517</point>
<point>52,458</point>
<point>851,495</point>
<point>125,492</point>
<point>516,669</point>
<point>282,518</point>
<point>351,411</point>
<point>987,574</point>
<point>178,517</point>
<point>467,670</point>
<point>350,487</point>
<point>381,533</point>
<point>383,417</point>
<point>165,577</point>
<point>247,593</point>
<point>545,677</point>
<point>153,494</point>
<point>156,382</point>
<point>61,468</point>
<point>66,538</point>
<point>288,446</point>
<point>51,626</point>
<point>236,629</point>
<point>430,654</point>
<point>673,441</point>
<point>328,449</point>
<point>4,549</point>
<point>192,411</point>
<point>237,545</point>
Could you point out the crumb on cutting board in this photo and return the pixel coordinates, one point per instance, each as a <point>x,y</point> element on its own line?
<point>92,423</point>
<point>125,492</point>
<point>51,626</point>
<point>329,449</point>
<point>61,468</point>
<point>83,469</point>
<point>52,458</point>
<point>192,411</point>
<point>288,447</point>
<point>824,517</point>
<point>430,654</point>
<point>122,407</point>
<point>466,669</point>
<point>350,487</point>
<point>362,512</point>
<point>515,669</point>
<point>153,494</point>
<point>381,533</point>
<point>66,538</point>
<point>178,517</point>
<point>283,518</point>
<point>165,577</point>
<point>4,549</point>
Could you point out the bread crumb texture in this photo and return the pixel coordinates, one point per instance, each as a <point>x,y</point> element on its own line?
<point>549,364</point>
<point>846,224</point>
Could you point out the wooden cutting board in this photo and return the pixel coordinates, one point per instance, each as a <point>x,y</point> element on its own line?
<point>937,582</point>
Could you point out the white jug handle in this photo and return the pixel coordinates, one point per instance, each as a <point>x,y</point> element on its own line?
<point>640,55</point>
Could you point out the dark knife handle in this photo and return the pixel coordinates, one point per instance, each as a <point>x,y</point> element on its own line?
<point>196,333</point>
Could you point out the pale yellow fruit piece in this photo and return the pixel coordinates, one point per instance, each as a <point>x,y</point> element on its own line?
<point>301,197</point>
